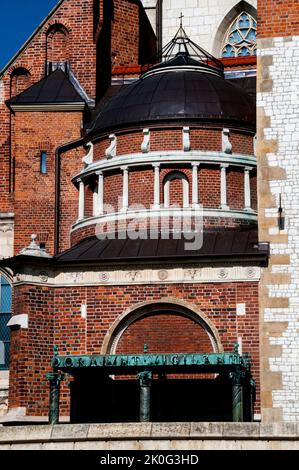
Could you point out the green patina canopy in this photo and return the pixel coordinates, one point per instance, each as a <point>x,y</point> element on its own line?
<point>168,362</point>
<point>234,365</point>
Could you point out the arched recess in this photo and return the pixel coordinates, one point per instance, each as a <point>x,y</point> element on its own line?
<point>7,273</point>
<point>20,80</point>
<point>164,306</point>
<point>227,21</point>
<point>5,315</point>
<point>57,44</point>
<point>178,197</point>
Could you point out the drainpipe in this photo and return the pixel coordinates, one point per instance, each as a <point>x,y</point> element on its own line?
<point>59,151</point>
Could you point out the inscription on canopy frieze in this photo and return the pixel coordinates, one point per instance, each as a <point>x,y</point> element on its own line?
<point>149,360</point>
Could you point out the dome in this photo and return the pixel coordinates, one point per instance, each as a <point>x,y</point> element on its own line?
<point>179,91</point>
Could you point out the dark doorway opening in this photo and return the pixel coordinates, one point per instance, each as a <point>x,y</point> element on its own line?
<point>98,398</point>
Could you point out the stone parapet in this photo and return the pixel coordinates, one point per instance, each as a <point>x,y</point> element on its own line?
<point>152,436</point>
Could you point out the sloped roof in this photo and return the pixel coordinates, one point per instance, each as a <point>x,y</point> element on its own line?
<point>230,243</point>
<point>56,88</point>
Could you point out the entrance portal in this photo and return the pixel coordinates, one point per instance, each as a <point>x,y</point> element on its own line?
<point>136,388</point>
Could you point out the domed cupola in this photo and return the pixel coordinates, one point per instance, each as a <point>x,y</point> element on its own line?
<point>176,141</point>
<point>188,85</point>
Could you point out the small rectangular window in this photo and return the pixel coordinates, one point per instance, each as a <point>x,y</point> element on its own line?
<point>43,162</point>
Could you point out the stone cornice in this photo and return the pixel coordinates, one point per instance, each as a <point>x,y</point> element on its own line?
<point>167,157</point>
<point>48,107</point>
<point>137,275</point>
<point>165,212</point>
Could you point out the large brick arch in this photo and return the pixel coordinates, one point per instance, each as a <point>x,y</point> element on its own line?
<point>167,326</point>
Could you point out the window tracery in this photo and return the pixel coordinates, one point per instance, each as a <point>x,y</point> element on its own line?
<point>240,39</point>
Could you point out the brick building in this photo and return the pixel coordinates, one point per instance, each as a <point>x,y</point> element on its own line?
<point>129,215</point>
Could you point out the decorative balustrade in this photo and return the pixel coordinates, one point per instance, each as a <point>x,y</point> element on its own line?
<point>155,204</point>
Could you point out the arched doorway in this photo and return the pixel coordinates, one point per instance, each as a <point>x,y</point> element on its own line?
<point>159,331</point>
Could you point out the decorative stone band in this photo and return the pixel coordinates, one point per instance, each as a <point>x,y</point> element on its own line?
<point>155,213</point>
<point>135,275</point>
<point>141,159</point>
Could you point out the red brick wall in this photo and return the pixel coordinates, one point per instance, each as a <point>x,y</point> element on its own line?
<point>241,143</point>
<point>164,333</point>
<point>32,349</point>
<point>175,186</point>
<point>209,223</point>
<point>77,44</point>
<point>58,44</point>
<point>88,201</point>
<point>278,18</point>
<point>81,234</point>
<point>172,139</point>
<point>56,313</point>
<point>235,189</point>
<point>76,18</point>
<point>71,164</point>
<point>6,199</point>
<point>125,33</point>
<point>209,187</point>
<point>20,81</point>
<point>113,190</point>
<point>141,187</point>
<point>142,184</point>
<point>34,193</point>
<point>176,192</point>
<point>253,189</point>
<point>141,191</point>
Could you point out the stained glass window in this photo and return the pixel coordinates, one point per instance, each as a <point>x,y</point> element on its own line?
<point>5,314</point>
<point>240,40</point>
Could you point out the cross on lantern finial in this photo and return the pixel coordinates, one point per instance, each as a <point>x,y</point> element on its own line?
<point>181,19</point>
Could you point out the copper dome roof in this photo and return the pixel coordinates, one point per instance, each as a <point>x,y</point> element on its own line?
<point>177,94</point>
<point>188,86</point>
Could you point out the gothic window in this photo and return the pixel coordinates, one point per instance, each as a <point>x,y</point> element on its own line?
<point>5,314</point>
<point>176,190</point>
<point>240,39</point>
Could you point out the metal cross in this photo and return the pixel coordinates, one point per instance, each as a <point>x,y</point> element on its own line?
<point>181,19</point>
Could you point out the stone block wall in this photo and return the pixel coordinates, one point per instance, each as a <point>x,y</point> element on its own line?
<point>278,174</point>
<point>205,21</point>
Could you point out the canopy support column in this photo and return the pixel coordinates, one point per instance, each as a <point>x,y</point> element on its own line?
<point>54,378</point>
<point>237,395</point>
<point>145,379</point>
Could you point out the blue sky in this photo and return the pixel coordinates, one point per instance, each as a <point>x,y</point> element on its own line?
<point>18,20</point>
